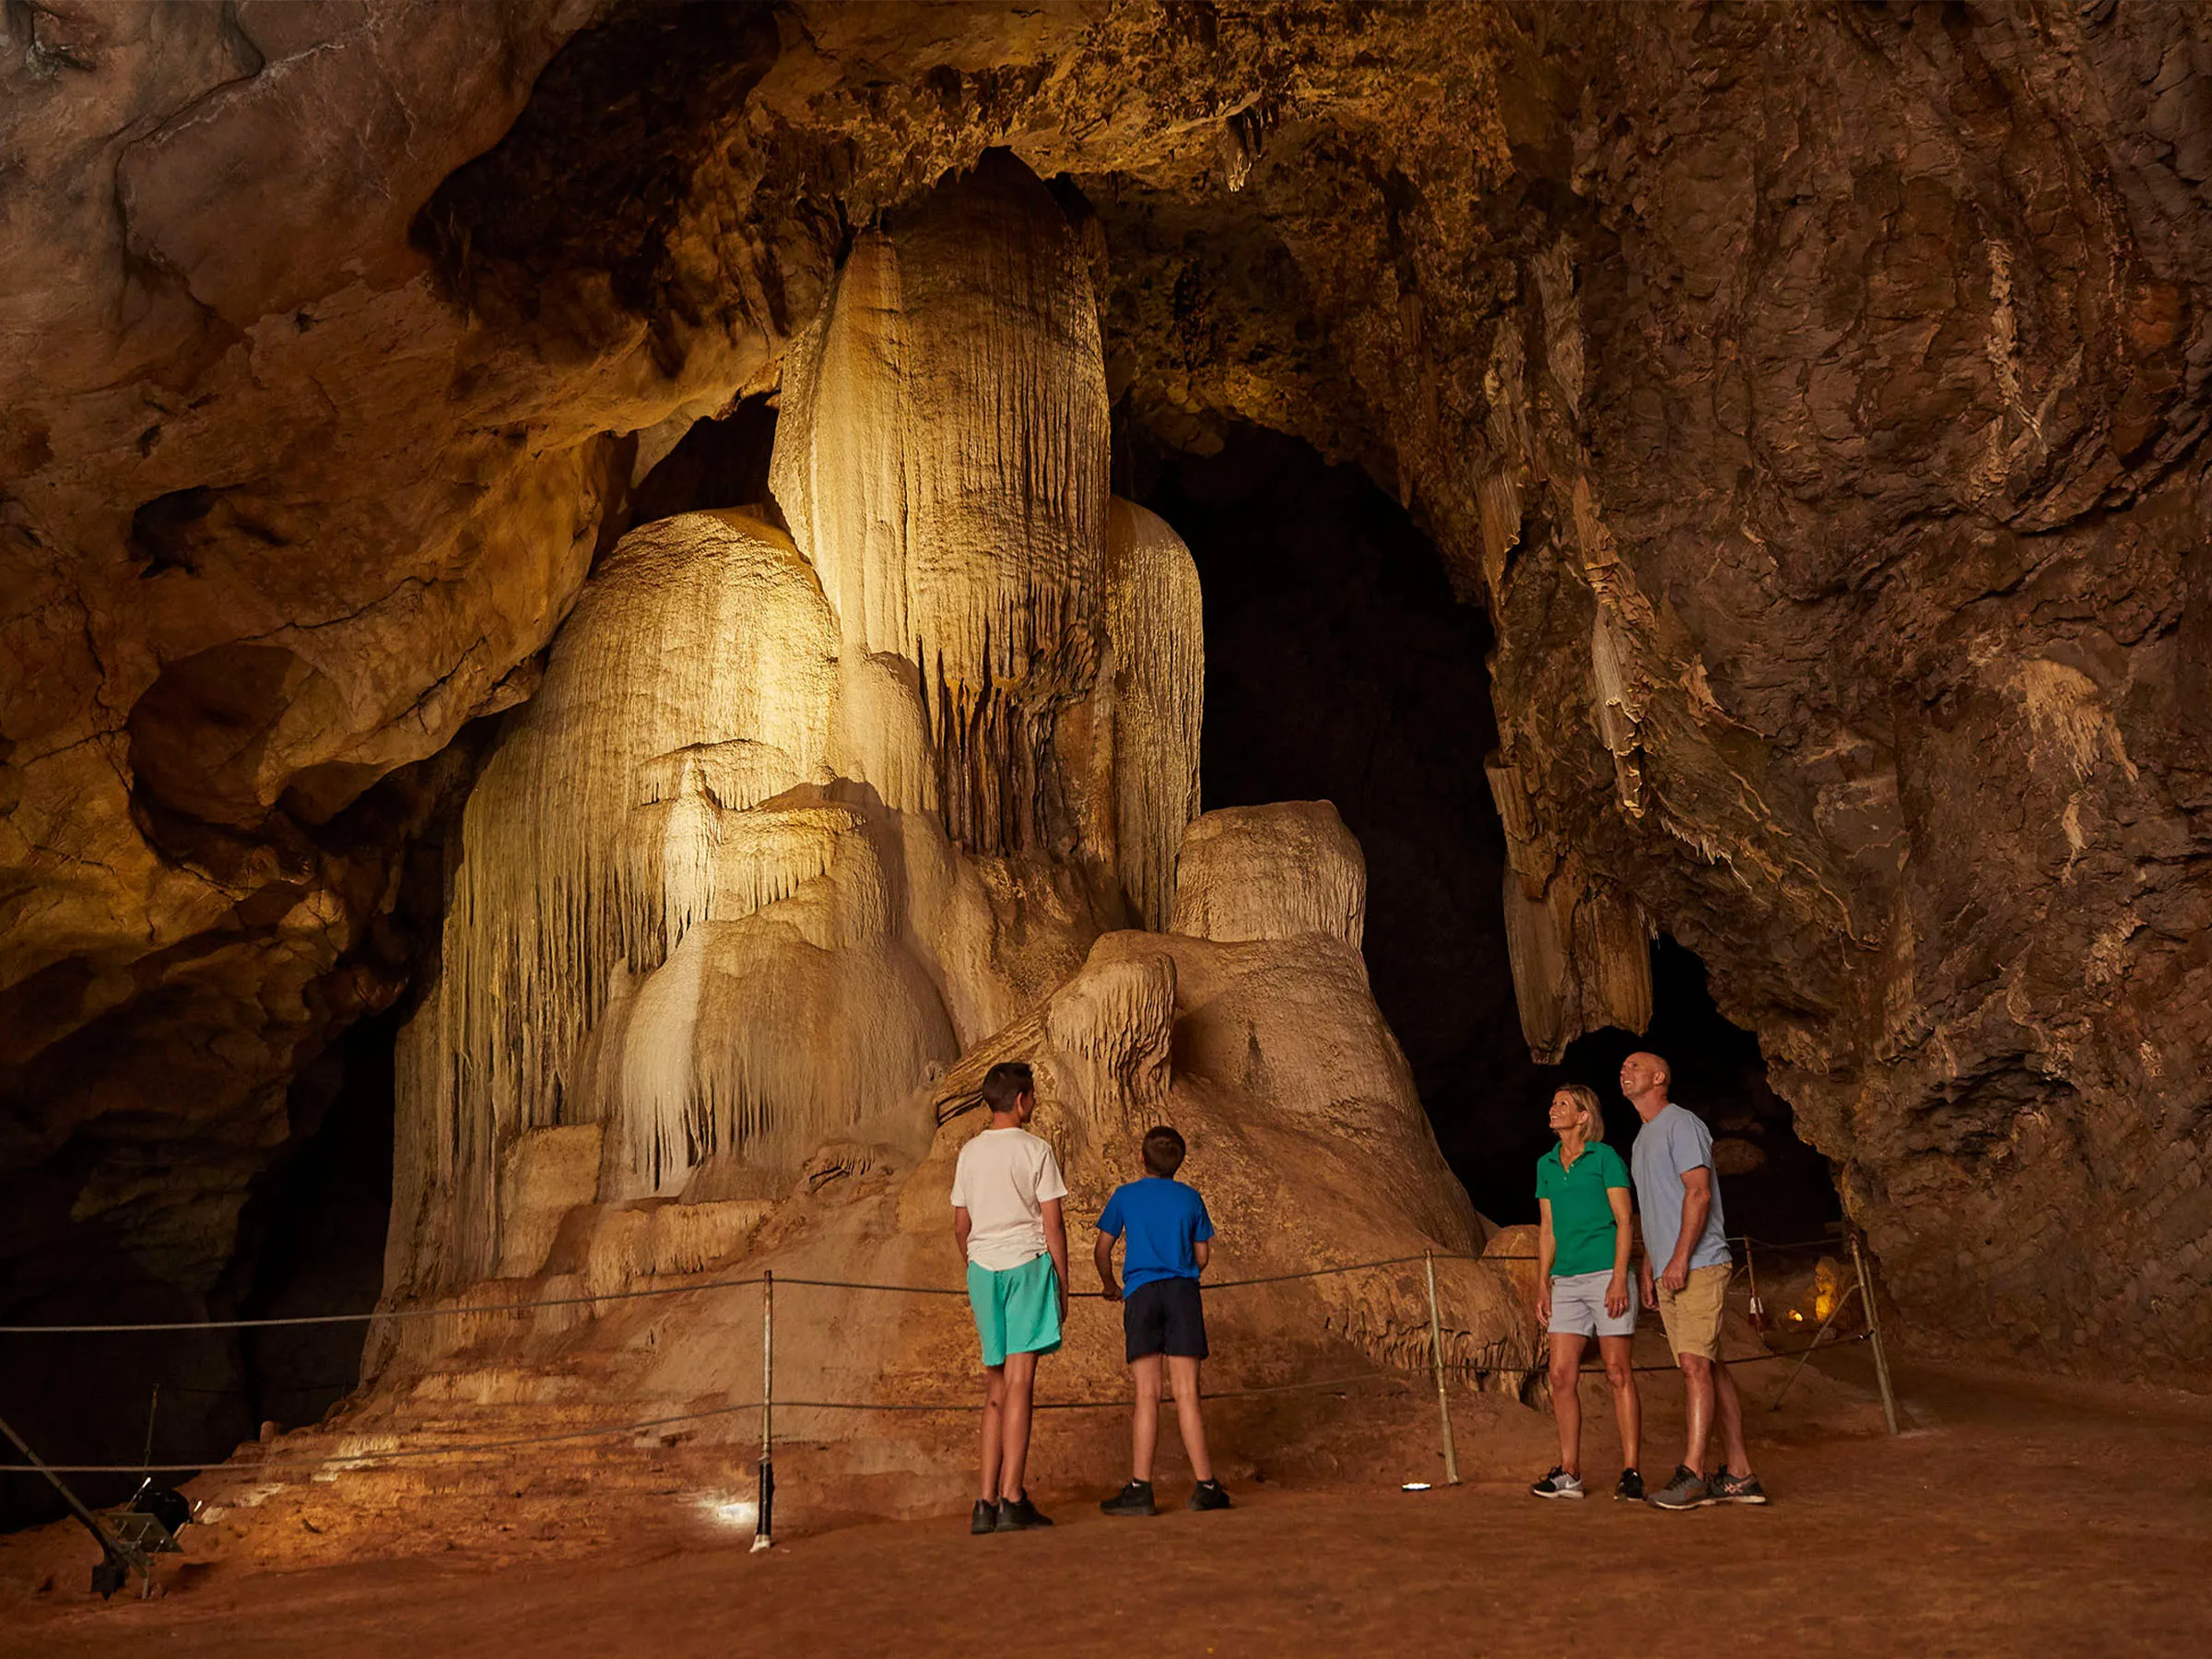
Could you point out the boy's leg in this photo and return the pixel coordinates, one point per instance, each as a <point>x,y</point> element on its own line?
<point>1567,1398</point>
<point>1143,1428</point>
<point>994,1399</point>
<point>1021,1382</point>
<point>1183,1373</point>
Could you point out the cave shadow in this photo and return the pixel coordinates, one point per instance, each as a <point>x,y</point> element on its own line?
<point>1339,666</point>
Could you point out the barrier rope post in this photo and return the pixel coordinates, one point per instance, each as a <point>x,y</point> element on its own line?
<point>1874,1328</point>
<point>765,1493</point>
<point>1436,1350</point>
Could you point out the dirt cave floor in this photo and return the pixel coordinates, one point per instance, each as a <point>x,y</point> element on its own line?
<point>2017,1515</point>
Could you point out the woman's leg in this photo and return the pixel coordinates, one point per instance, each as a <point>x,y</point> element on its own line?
<point>1627,1407</point>
<point>1566,1401</point>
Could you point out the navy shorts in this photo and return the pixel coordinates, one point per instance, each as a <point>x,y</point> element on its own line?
<point>1165,1316</point>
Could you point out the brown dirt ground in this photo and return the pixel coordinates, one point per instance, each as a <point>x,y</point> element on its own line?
<point>2017,1515</point>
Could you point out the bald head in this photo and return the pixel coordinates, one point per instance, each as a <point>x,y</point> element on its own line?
<point>1645,1078</point>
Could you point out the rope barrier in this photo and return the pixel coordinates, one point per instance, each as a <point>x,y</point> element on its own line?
<point>456,1311</point>
<point>462,1311</point>
<point>1598,1370</point>
<point>478,1449</point>
<point>325,1319</point>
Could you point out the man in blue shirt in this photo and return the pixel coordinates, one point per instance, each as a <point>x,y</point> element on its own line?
<point>1685,1251</point>
<point>1169,1233</point>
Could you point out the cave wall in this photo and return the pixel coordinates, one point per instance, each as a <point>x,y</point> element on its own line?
<point>1812,395</point>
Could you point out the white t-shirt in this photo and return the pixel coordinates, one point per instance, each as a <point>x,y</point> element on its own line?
<point>1002,1180</point>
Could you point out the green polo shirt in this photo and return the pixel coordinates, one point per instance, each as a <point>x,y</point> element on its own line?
<point>1581,1215</point>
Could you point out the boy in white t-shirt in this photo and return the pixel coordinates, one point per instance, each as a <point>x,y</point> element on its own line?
<point>1006,1214</point>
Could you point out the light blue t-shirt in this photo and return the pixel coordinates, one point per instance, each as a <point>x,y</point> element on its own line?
<point>1164,1219</point>
<point>1669,1146</point>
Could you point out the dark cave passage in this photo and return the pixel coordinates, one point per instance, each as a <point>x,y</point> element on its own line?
<point>1339,667</point>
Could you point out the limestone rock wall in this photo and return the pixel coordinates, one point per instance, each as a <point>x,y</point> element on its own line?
<point>1815,395</point>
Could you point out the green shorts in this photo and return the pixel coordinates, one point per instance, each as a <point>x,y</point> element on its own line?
<point>1017,1308</point>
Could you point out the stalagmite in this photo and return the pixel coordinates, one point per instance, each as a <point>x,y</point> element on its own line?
<point>692,680</point>
<point>1159,694</point>
<point>1271,872</point>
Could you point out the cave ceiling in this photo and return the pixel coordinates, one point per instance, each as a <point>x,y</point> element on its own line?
<point>1813,397</point>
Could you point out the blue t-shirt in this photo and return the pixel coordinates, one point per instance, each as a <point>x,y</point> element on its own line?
<point>1163,1219</point>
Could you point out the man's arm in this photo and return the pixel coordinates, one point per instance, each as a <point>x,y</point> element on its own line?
<point>1055,1242</point>
<point>1697,1203</point>
<point>1202,1253</point>
<point>962,1226</point>
<point>1101,1254</point>
<point>1617,1289</point>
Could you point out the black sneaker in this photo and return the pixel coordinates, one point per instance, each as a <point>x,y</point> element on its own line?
<point>1685,1491</point>
<point>1725,1487</point>
<point>1630,1489</point>
<point>984,1517</point>
<point>1208,1495</point>
<point>1136,1499</point>
<point>1558,1483</point>
<point>1018,1514</point>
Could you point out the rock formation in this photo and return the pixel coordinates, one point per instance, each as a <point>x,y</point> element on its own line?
<point>794,822</point>
<point>1813,397</point>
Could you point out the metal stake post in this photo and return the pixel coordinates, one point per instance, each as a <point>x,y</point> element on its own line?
<point>764,1519</point>
<point>1874,1328</point>
<point>1436,1349</point>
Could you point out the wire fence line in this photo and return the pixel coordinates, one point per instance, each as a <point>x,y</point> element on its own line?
<point>463,1309</point>
<point>341,1461</point>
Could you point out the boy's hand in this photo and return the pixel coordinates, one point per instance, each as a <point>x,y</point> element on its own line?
<point>1109,1289</point>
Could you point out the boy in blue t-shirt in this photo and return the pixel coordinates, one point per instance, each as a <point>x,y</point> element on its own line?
<point>1168,1232</point>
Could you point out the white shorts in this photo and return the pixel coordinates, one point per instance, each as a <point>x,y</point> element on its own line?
<point>1578,1306</point>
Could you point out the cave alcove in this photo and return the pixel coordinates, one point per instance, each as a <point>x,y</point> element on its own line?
<point>1340,667</point>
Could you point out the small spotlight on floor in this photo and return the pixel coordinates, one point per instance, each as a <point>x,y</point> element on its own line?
<point>1415,1486</point>
<point>738,1514</point>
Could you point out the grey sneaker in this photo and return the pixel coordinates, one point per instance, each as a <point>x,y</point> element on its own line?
<point>1630,1489</point>
<point>1725,1487</point>
<point>1558,1483</point>
<point>1685,1491</point>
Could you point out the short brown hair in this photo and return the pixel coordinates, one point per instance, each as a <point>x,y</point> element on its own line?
<point>1006,1083</point>
<point>1163,1150</point>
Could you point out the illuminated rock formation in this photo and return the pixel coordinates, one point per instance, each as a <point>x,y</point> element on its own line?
<point>794,821</point>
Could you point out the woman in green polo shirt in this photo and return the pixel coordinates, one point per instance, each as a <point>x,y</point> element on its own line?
<point>1583,1286</point>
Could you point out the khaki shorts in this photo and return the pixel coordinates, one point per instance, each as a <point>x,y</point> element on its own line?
<point>1692,1315</point>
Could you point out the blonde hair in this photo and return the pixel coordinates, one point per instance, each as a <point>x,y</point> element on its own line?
<point>1593,1115</point>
